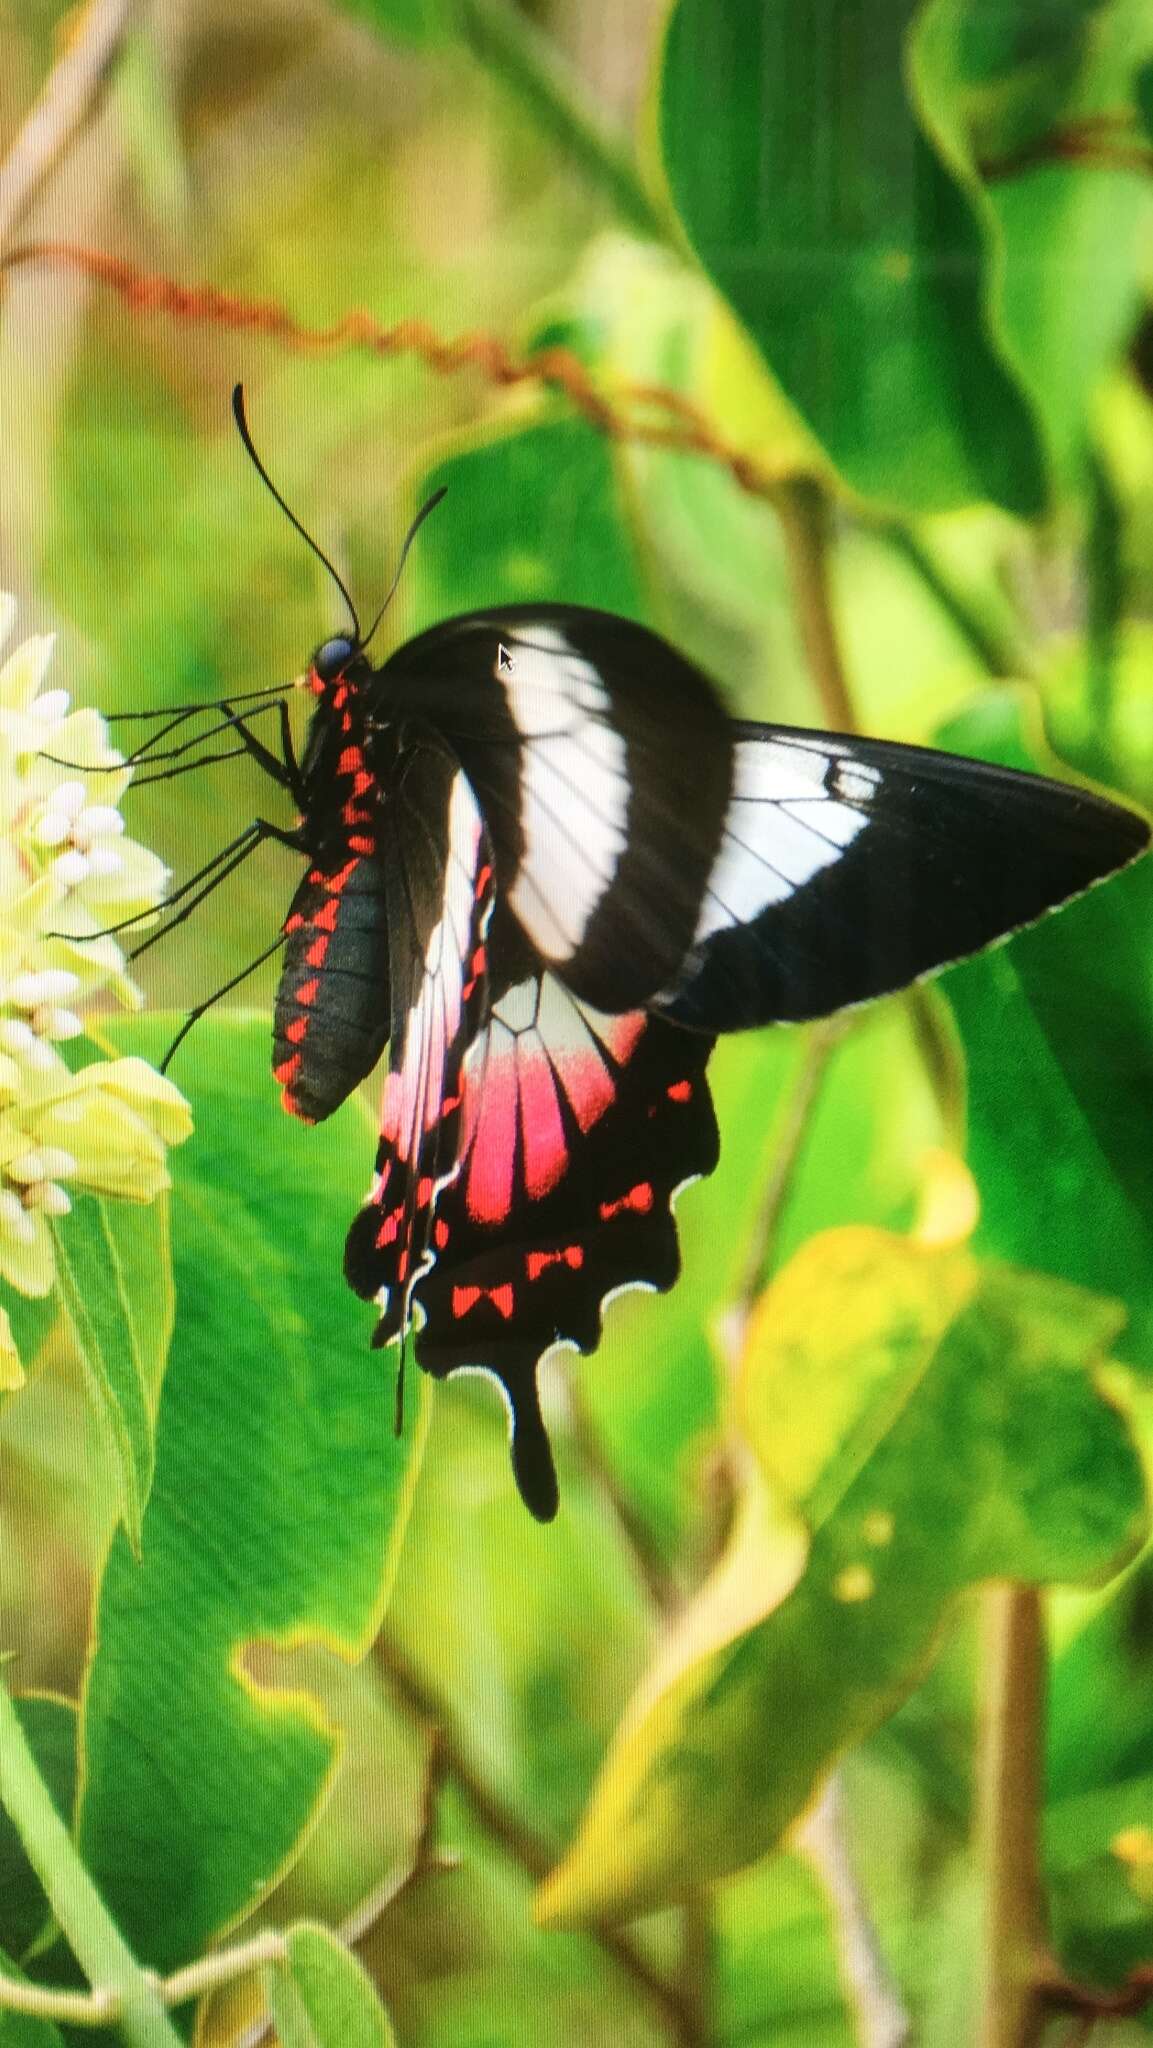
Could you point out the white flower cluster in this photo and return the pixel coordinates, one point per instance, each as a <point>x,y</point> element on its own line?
<point>67,873</point>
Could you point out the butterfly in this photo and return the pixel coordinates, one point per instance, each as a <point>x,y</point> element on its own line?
<point>544,871</point>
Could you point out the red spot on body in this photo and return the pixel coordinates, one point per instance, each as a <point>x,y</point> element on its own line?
<point>361,844</point>
<point>288,1069</point>
<point>639,1199</point>
<point>336,882</point>
<point>464,1298</point>
<point>402,1264</point>
<point>306,993</point>
<point>681,1091</point>
<point>484,877</point>
<point>316,952</point>
<point>478,961</point>
<point>326,916</point>
<point>441,1234</point>
<point>293,923</point>
<point>361,782</point>
<point>296,1030</point>
<point>315,684</point>
<point>349,761</point>
<point>537,1263</point>
<point>389,1230</point>
<point>423,1192</point>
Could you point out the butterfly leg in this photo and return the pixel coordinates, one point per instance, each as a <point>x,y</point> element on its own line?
<point>285,772</point>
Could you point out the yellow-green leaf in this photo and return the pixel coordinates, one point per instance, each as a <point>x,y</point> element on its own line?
<point>931,1422</point>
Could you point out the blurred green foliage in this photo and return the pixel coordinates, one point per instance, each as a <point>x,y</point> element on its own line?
<point>343,1687</point>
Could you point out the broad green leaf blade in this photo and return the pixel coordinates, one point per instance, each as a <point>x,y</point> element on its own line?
<point>847,245</point>
<point>278,1503</point>
<point>531,514</point>
<point>1069,237</point>
<point>322,1997</point>
<point>416,22</point>
<point>115,1273</point>
<point>1057,1028</point>
<point>925,1424</point>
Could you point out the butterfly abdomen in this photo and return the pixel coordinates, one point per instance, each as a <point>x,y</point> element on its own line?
<point>333,1008</point>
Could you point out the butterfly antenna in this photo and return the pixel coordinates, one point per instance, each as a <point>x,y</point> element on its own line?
<point>262,473</point>
<point>410,536</point>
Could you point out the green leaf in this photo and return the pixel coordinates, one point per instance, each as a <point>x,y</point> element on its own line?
<point>115,1271</point>
<point>1143,94</point>
<point>530,514</point>
<point>417,22</point>
<point>1069,237</point>
<point>1057,1028</point>
<point>322,1997</point>
<point>50,1726</point>
<point>924,1424</point>
<point>145,99</point>
<point>871,1139</point>
<point>279,1500</point>
<point>848,245</point>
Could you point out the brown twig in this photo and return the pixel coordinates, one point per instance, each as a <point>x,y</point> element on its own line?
<point>535,1856</point>
<point>1083,142</point>
<point>803,509</point>
<point>1009,1777</point>
<point>73,86</point>
<point>622,415</point>
<point>660,1584</point>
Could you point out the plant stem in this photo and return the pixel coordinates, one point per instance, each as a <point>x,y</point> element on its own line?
<point>507,42</point>
<point>65,103</point>
<point>802,507</point>
<point>1003,657</point>
<point>84,1919</point>
<point>1009,1766</point>
<point>531,1851</point>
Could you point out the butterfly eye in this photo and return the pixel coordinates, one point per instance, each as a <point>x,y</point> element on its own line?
<point>333,657</point>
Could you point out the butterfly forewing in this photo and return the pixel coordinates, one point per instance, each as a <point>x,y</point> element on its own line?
<point>602,761</point>
<point>849,867</point>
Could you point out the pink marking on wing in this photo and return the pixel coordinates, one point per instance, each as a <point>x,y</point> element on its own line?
<point>586,1078</point>
<point>493,1151</point>
<point>542,1131</point>
<point>588,1084</point>
<point>620,1034</point>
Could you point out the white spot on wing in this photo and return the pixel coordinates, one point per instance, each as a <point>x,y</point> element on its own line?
<point>574,789</point>
<point>782,827</point>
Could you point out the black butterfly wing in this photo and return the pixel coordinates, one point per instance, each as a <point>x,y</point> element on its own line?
<point>849,867</point>
<point>601,760</point>
<point>654,852</point>
<point>439,892</point>
<point>578,1129</point>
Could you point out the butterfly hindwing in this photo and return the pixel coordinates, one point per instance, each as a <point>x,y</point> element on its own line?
<point>578,1130</point>
<point>439,874</point>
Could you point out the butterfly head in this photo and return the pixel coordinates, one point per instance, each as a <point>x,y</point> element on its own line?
<point>340,659</point>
